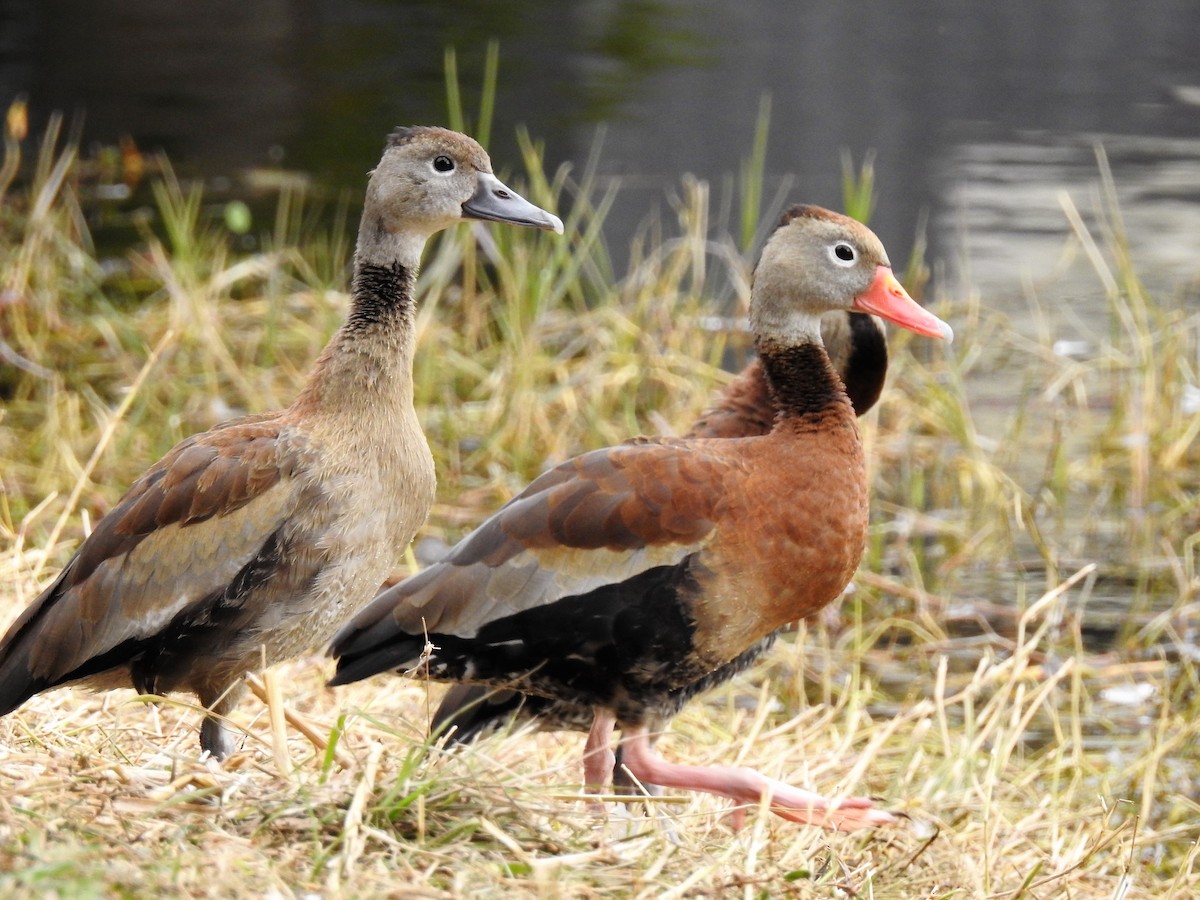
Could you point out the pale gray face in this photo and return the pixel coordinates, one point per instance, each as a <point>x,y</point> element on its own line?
<point>430,178</point>
<point>818,261</point>
<point>830,259</point>
<point>815,262</point>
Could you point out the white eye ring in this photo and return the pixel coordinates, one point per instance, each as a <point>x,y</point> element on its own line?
<point>443,164</point>
<point>843,254</point>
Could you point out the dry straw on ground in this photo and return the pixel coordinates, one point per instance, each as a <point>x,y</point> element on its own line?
<point>339,792</point>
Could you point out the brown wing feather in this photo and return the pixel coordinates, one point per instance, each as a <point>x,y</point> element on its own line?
<point>182,531</point>
<point>616,499</point>
<point>597,519</point>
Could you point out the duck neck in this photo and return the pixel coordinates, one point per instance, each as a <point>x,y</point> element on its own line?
<point>382,301</point>
<point>865,366</point>
<point>366,368</point>
<point>802,379</point>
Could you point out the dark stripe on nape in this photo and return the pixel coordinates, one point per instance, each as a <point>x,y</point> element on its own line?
<point>866,367</point>
<point>381,294</point>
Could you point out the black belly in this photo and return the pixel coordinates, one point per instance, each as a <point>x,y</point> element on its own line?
<point>467,714</point>
<point>625,646</point>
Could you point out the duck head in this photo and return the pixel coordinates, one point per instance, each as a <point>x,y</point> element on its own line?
<point>817,261</point>
<point>428,179</point>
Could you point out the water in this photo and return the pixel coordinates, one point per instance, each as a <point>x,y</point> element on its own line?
<point>979,114</point>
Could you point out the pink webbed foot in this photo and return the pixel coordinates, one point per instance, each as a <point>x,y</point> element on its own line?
<point>746,786</point>
<point>808,808</point>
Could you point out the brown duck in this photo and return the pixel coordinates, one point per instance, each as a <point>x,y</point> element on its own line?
<point>858,351</point>
<point>621,577</point>
<point>256,538</point>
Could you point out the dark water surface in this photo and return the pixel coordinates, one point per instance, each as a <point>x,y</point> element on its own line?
<point>979,114</point>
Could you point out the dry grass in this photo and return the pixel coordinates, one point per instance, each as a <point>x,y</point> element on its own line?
<point>1020,779</point>
<point>960,682</point>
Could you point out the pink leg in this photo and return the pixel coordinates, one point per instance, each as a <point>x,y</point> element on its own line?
<point>747,786</point>
<point>598,758</point>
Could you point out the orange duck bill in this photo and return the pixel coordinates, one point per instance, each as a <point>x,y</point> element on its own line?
<point>888,299</point>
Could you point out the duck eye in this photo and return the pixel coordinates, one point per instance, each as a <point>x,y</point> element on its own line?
<point>843,253</point>
<point>443,163</point>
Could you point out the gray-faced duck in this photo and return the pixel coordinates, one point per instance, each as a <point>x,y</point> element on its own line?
<point>257,538</point>
<point>618,579</point>
<point>857,349</point>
